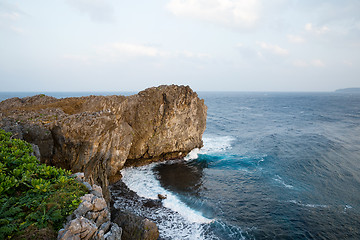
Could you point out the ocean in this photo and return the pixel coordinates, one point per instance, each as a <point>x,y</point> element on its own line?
<point>273,166</point>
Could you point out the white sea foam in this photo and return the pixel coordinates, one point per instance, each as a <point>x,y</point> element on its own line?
<point>281,181</point>
<point>144,183</point>
<point>212,144</point>
<point>186,223</point>
<point>308,205</point>
<point>193,154</point>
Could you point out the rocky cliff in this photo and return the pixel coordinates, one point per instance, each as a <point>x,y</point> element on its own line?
<point>98,135</point>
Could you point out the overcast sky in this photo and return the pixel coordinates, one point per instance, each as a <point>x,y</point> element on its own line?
<point>227,45</point>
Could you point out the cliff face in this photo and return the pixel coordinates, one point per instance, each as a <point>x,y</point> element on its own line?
<point>98,135</point>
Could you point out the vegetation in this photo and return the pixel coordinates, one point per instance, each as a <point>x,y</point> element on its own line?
<point>34,198</point>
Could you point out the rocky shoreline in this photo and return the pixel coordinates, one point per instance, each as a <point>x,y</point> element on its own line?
<point>99,135</point>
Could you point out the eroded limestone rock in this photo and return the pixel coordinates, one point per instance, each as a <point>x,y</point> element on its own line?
<point>91,220</point>
<point>98,135</point>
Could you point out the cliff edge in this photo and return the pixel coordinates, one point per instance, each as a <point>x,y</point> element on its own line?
<point>98,135</point>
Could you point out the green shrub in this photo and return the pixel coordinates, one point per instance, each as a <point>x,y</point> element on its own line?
<point>32,195</point>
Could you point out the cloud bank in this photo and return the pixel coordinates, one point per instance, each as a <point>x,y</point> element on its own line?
<point>233,13</point>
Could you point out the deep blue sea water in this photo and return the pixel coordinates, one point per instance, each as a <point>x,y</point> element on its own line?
<point>273,166</point>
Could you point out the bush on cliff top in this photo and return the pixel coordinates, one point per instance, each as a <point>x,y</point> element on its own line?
<point>35,199</point>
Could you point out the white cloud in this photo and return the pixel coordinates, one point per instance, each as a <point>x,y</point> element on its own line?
<point>98,10</point>
<point>78,58</point>
<point>10,15</point>
<point>234,13</point>
<point>348,63</point>
<point>18,30</point>
<point>316,30</point>
<point>136,50</point>
<point>275,49</point>
<point>140,50</point>
<point>317,63</point>
<point>313,63</point>
<point>190,54</point>
<point>300,63</point>
<point>122,50</point>
<point>249,52</point>
<point>295,39</point>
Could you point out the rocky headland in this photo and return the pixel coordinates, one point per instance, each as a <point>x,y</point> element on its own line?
<point>99,135</point>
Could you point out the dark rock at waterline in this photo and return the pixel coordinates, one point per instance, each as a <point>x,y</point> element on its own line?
<point>151,203</point>
<point>136,227</point>
<point>120,190</point>
<point>97,135</point>
<point>160,196</point>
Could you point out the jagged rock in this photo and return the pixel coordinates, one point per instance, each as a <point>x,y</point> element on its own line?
<point>105,226</point>
<point>79,176</point>
<point>99,204</point>
<point>99,235</point>
<point>97,135</point>
<point>91,220</point>
<point>36,151</point>
<point>135,227</point>
<point>79,228</point>
<point>115,233</point>
<point>83,208</point>
<point>98,217</point>
<point>88,186</point>
<point>97,190</point>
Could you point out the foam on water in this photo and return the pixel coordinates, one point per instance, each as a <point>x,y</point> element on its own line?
<point>212,144</point>
<point>281,181</point>
<point>186,223</point>
<point>308,205</point>
<point>144,183</point>
<point>193,154</point>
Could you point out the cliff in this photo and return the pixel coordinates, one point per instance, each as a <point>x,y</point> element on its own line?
<point>98,135</point>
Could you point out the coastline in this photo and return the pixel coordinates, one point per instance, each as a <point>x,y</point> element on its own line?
<point>99,135</point>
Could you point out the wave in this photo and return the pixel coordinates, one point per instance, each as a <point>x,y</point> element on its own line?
<point>308,205</point>
<point>143,181</point>
<point>212,144</point>
<point>281,181</point>
<point>183,222</point>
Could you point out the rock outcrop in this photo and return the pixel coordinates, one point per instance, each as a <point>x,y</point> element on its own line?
<point>91,220</point>
<point>98,135</point>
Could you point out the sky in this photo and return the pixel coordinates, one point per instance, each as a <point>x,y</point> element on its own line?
<point>210,45</point>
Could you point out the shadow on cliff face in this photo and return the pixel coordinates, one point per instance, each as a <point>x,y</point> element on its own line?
<point>180,177</point>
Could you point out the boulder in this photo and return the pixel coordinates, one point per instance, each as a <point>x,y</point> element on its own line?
<point>160,196</point>
<point>79,228</point>
<point>135,227</point>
